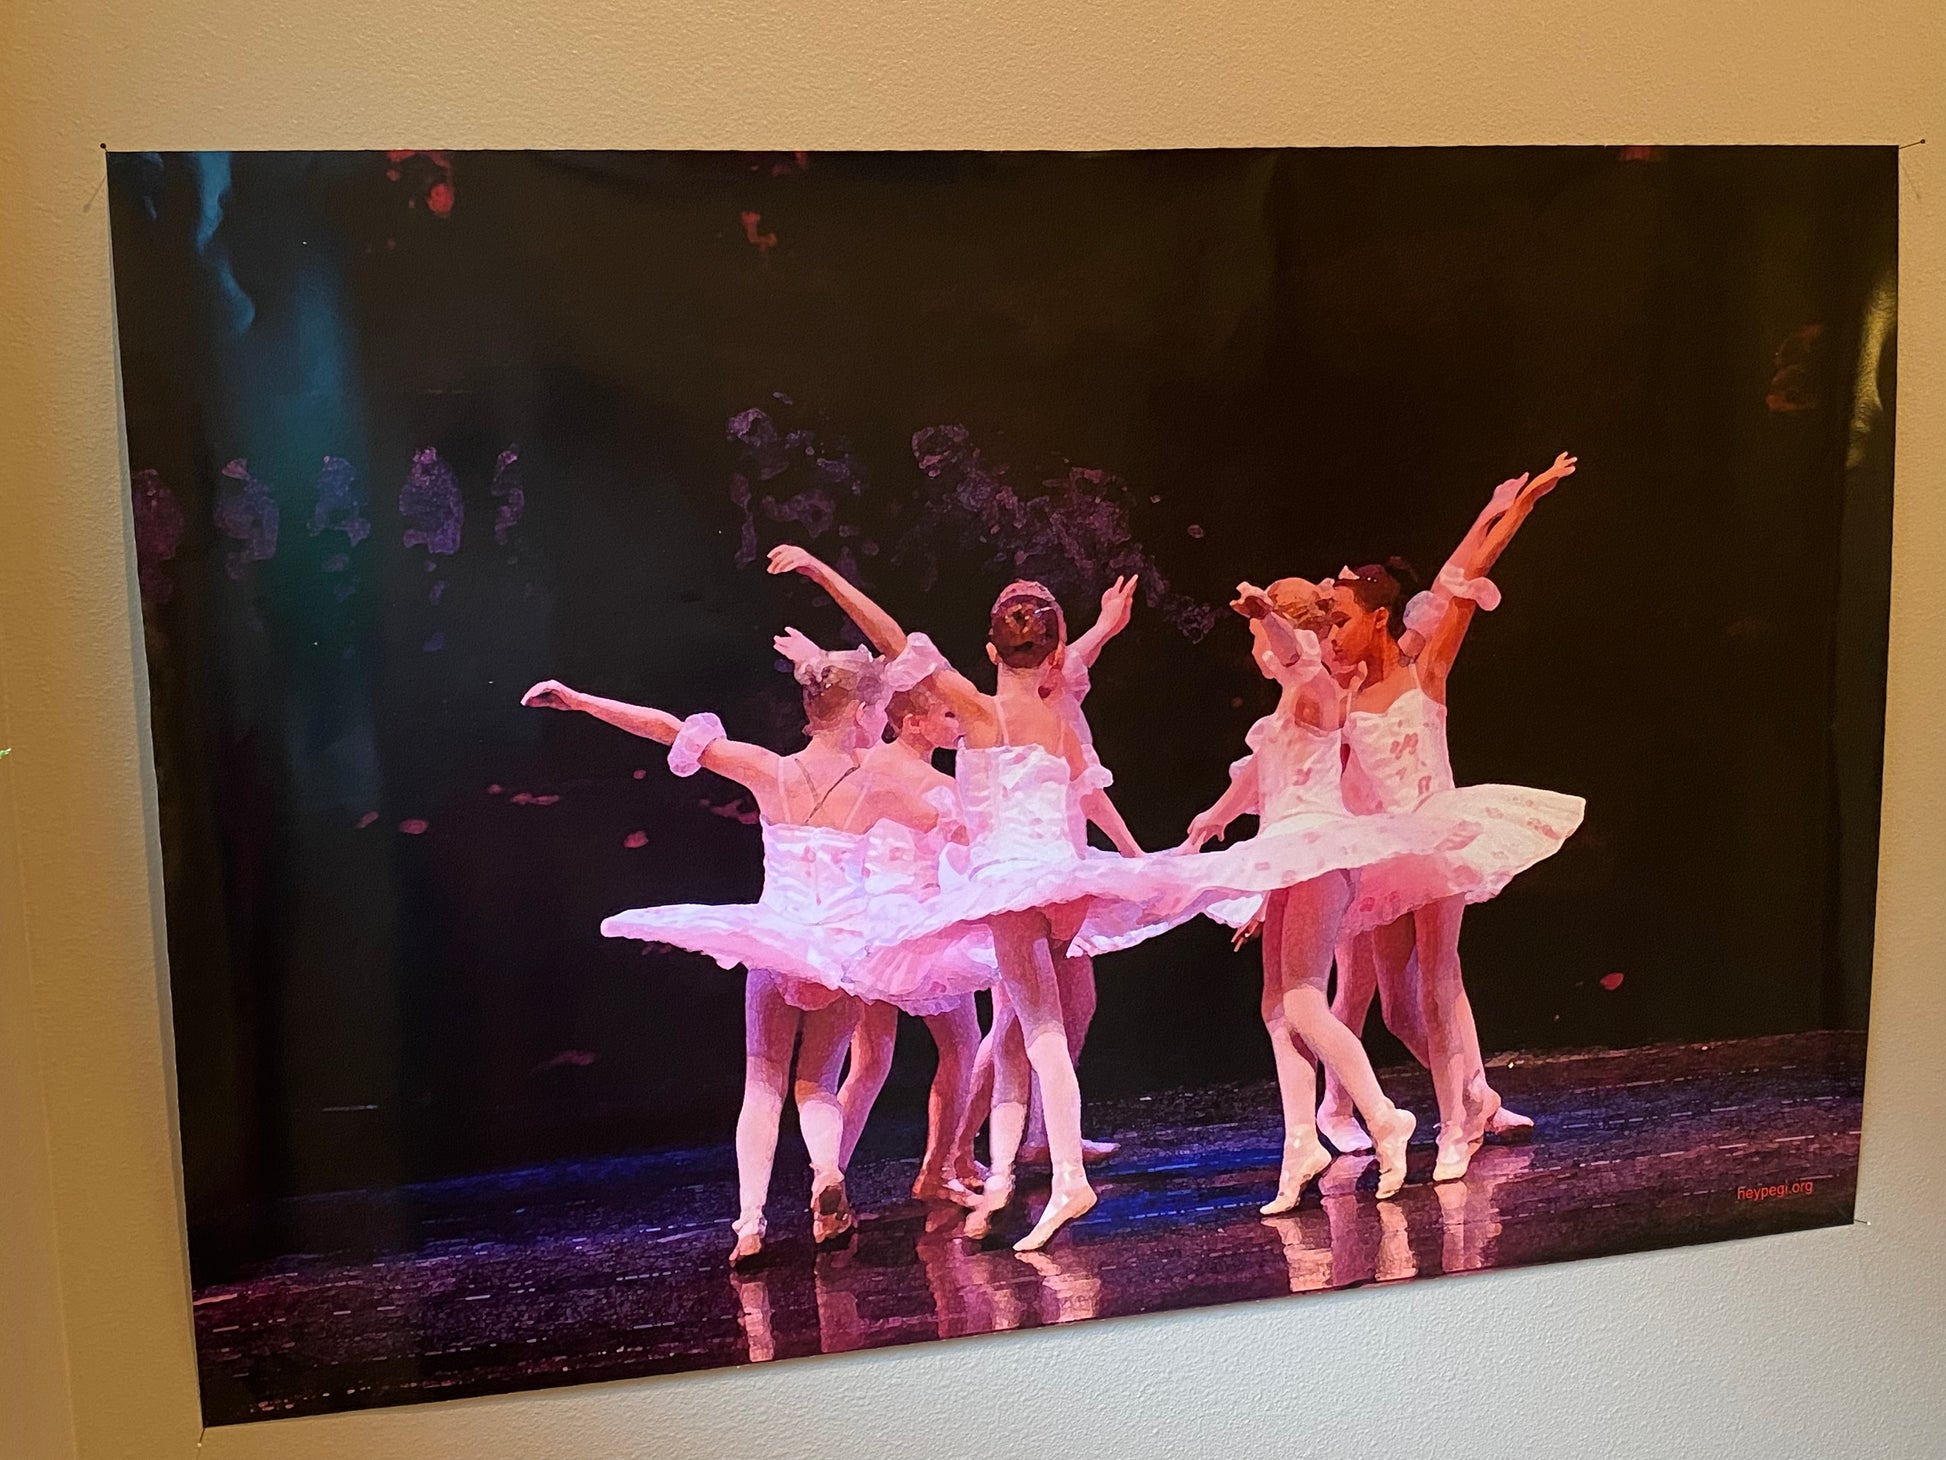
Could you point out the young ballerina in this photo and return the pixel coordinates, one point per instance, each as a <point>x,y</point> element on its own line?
<point>1077,970</point>
<point>922,722</point>
<point>1396,732</point>
<point>808,926</point>
<point>1305,856</point>
<point>1383,961</point>
<point>1031,877</point>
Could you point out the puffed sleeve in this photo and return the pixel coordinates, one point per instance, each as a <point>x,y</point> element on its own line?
<point>919,658</point>
<point>698,734</point>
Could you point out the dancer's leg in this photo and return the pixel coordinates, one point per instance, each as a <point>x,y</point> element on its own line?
<point>1399,999</point>
<point>872,1044</point>
<point>1297,1078</point>
<point>979,1093</point>
<point>1312,912</point>
<point>769,1030</point>
<point>1399,995</point>
<point>1023,942</point>
<point>1351,1003</point>
<point>1012,1076</point>
<point>1075,975</point>
<point>1443,997</point>
<point>821,1120</point>
<point>946,1166</point>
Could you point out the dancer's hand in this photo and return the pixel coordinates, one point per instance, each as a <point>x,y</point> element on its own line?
<point>1248,931</point>
<point>785,558</point>
<point>1117,604</point>
<point>1251,601</point>
<point>1562,469</point>
<point>1207,826</point>
<point>550,694</point>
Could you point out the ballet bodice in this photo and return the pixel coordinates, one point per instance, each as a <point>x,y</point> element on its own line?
<point>808,870</point>
<point>1298,768</point>
<point>1399,753</point>
<point>1020,803</point>
<point>895,860</point>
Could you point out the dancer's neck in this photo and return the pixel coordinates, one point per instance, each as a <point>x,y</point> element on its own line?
<point>916,746</point>
<point>833,742</point>
<point>1383,662</point>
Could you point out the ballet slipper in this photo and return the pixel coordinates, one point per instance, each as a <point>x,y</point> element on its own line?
<point>1510,1124</point>
<point>993,1200</point>
<point>939,1187</point>
<point>1340,1127</point>
<point>1455,1155</point>
<point>1390,1138</point>
<point>831,1215</point>
<point>1303,1160</point>
<point>1072,1197</point>
<point>750,1237</point>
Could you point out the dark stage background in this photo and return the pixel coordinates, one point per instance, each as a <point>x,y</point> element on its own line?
<point>634,373</point>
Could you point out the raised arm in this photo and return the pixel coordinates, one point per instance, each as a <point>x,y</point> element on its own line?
<point>1117,604</point>
<point>750,766</point>
<point>1456,592</point>
<point>965,697</point>
<point>877,625</point>
<point>1493,542</point>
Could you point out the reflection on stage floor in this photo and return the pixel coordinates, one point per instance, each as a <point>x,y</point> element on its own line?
<point>604,1270</point>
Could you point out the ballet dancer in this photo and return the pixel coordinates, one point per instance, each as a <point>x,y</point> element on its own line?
<point>921,722</point>
<point>1305,857</point>
<point>1031,877</point>
<point>1077,971</point>
<point>1403,655</point>
<point>810,923</point>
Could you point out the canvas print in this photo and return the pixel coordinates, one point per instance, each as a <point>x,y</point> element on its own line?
<point>771,754</point>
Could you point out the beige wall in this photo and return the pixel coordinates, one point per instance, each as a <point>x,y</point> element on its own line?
<point>1825,1343</point>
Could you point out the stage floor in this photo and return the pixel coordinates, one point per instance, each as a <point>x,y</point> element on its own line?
<point>581,1272</point>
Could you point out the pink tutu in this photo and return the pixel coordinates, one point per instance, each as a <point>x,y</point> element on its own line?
<point>1305,829</point>
<point>1518,826</point>
<point>1028,850</point>
<point>804,927</point>
<point>1399,761</point>
<point>899,870</point>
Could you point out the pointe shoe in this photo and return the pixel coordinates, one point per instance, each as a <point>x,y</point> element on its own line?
<point>750,1238</point>
<point>1303,1160</point>
<point>1391,1143</point>
<point>1341,1128</point>
<point>935,1186</point>
<point>831,1215</point>
<point>1072,1197</point>
<point>999,1191</point>
<point>1455,1155</point>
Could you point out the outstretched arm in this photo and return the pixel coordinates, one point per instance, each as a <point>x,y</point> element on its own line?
<point>881,628</point>
<point>1117,604</point>
<point>1238,799</point>
<point>750,766</point>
